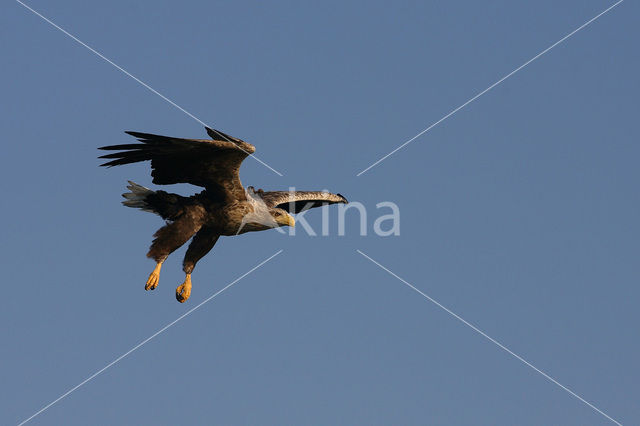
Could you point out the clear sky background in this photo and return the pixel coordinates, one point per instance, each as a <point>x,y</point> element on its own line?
<point>519,213</point>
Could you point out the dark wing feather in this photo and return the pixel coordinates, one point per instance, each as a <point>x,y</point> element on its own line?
<point>213,164</point>
<point>219,136</point>
<point>298,201</point>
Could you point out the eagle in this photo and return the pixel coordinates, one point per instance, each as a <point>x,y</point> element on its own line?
<point>223,208</point>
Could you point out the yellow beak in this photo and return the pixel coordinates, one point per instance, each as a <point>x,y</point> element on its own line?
<point>287,220</point>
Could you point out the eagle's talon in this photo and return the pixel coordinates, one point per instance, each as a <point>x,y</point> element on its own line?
<point>152,282</point>
<point>154,278</point>
<point>183,291</point>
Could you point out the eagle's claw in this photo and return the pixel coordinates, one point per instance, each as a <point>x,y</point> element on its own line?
<point>152,282</point>
<point>183,291</point>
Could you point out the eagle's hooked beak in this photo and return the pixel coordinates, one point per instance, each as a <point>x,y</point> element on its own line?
<point>287,220</point>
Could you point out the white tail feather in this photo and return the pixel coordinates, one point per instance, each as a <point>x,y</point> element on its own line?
<point>136,198</point>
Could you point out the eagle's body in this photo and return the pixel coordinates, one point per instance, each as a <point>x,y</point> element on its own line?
<point>225,207</point>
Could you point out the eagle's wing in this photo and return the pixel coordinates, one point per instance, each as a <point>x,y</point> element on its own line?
<point>213,164</point>
<point>298,201</point>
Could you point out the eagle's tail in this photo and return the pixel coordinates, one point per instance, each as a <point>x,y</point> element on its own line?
<point>137,197</point>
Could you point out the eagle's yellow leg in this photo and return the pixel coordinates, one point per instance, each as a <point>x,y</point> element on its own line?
<point>152,282</point>
<point>184,290</point>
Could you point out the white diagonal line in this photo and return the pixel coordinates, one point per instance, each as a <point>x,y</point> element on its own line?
<point>137,79</point>
<point>491,87</point>
<point>491,339</point>
<point>88,379</point>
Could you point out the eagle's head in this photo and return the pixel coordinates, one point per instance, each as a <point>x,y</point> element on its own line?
<point>282,217</point>
<point>260,217</point>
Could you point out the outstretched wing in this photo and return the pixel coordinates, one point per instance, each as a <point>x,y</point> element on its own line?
<point>298,201</point>
<point>213,164</point>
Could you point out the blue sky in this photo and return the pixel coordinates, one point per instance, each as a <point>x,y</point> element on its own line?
<point>519,213</point>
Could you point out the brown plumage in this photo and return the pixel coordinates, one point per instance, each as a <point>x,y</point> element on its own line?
<point>225,207</point>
